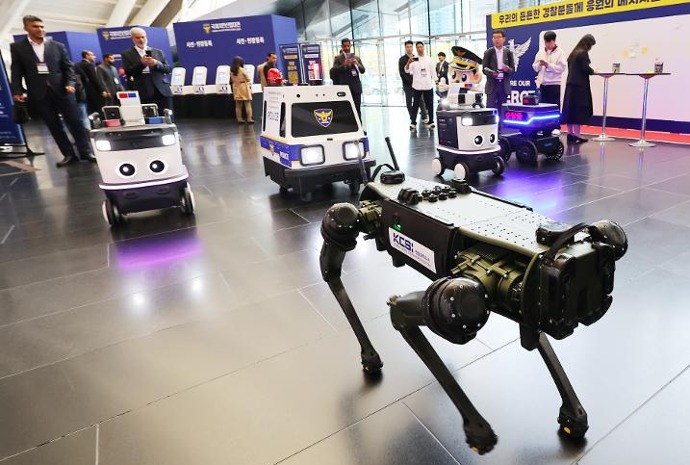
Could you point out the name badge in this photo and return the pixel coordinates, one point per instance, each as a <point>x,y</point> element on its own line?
<point>354,72</point>
<point>42,68</point>
<point>423,72</point>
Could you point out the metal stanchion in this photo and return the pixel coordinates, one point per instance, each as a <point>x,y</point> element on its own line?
<point>603,137</point>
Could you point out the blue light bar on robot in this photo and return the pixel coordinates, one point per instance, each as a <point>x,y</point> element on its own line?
<point>532,119</point>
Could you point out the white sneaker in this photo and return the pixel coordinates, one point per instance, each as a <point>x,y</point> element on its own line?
<point>413,127</point>
<point>431,125</point>
<point>425,120</point>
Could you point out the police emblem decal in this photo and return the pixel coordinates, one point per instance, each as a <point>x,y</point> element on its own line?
<point>207,28</point>
<point>324,116</point>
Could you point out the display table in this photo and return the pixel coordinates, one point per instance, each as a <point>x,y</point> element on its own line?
<point>603,137</point>
<point>211,106</point>
<point>646,76</point>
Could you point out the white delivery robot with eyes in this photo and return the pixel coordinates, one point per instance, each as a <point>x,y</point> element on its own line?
<point>312,136</point>
<point>467,132</point>
<point>140,160</point>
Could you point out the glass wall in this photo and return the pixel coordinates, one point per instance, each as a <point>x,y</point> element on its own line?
<point>379,29</point>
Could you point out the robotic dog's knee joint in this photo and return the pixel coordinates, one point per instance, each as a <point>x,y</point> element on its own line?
<point>612,234</point>
<point>340,226</point>
<point>453,308</point>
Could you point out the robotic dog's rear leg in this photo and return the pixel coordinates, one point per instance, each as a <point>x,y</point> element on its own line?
<point>417,309</point>
<point>340,229</point>
<point>572,417</point>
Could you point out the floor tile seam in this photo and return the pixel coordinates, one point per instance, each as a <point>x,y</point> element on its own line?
<point>71,433</point>
<point>126,340</point>
<point>2,197</point>
<point>658,212</point>
<point>313,307</point>
<point>43,281</point>
<point>438,441</point>
<point>7,234</point>
<point>662,191</point>
<point>100,301</point>
<point>345,427</point>
<point>633,412</point>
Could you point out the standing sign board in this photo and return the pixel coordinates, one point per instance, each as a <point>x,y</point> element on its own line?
<point>292,66</point>
<point>10,132</point>
<point>311,63</point>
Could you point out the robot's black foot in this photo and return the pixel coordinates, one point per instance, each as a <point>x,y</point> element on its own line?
<point>572,426</point>
<point>482,439</point>
<point>371,364</point>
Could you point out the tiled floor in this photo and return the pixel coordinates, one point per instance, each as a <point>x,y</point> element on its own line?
<point>213,340</point>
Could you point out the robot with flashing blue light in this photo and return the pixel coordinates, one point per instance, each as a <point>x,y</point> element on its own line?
<point>312,136</point>
<point>531,128</point>
<point>140,159</point>
<point>467,132</point>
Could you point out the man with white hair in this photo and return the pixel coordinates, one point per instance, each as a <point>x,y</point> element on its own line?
<point>149,71</point>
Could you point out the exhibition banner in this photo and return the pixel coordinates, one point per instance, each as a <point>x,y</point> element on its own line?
<point>10,132</point>
<point>618,41</point>
<point>311,62</point>
<point>570,9</point>
<point>215,42</point>
<point>292,66</point>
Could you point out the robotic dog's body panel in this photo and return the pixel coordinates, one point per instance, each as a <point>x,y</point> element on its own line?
<point>485,255</point>
<point>312,136</point>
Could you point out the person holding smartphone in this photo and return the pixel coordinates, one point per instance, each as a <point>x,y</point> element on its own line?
<point>550,63</point>
<point>424,79</point>
<point>347,68</point>
<point>149,70</point>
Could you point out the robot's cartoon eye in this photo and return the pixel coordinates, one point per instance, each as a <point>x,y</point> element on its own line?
<point>478,140</point>
<point>127,169</point>
<point>492,138</point>
<point>157,166</point>
<point>464,77</point>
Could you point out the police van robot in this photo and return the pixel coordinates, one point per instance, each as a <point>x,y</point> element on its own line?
<point>140,160</point>
<point>467,132</point>
<point>312,136</point>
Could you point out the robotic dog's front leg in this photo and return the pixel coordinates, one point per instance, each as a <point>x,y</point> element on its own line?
<point>572,417</point>
<point>455,309</point>
<point>340,228</point>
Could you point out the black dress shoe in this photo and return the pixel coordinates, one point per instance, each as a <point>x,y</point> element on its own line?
<point>65,161</point>
<point>90,158</point>
<point>580,140</point>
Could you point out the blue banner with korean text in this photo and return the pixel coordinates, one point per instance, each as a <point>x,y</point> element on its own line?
<point>312,68</point>
<point>10,132</point>
<point>292,66</point>
<point>216,42</point>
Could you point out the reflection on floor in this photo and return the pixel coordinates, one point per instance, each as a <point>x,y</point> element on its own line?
<point>214,340</point>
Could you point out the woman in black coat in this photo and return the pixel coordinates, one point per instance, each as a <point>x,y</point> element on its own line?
<point>577,101</point>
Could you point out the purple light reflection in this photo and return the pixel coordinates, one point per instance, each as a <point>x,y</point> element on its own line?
<point>154,251</point>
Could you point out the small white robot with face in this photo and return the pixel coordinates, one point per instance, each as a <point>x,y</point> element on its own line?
<point>140,160</point>
<point>467,132</point>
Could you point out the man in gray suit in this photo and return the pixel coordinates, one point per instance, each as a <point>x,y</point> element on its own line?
<point>498,64</point>
<point>149,70</point>
<point>50,87</point>
<point>107,73</point>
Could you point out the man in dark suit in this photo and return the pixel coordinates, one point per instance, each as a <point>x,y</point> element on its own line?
<point>50,82</point>
<point>95,92</point>
<point>346,69</point>
<point>107,73</point>
<point>149,70</point>
<point>442,67</point>
<point>498,64</point>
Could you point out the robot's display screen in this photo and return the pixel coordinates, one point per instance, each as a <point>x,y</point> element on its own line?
<point>323,118</point>
<point>515,116</point>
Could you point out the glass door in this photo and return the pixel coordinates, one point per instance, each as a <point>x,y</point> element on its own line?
<point>373,84</point>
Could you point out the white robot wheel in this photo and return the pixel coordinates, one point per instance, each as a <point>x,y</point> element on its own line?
<point>499,166</point>
<point>111,213</point>
<point>437,166</point>
<point>187,200</point>
<point>461,171</point>
<point>506,148</point>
